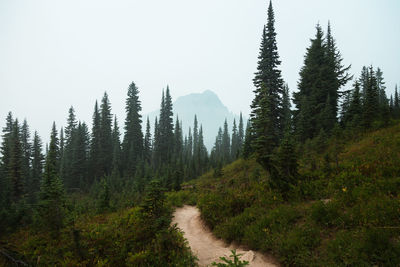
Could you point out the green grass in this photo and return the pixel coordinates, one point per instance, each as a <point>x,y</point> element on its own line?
<point>344,210</point>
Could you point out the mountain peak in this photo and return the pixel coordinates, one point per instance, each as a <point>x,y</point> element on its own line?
<point>210,111</point>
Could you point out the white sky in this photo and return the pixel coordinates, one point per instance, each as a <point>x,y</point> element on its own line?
<point>54,54</point>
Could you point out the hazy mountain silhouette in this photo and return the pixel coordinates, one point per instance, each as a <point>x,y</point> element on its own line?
<point>210,111</point>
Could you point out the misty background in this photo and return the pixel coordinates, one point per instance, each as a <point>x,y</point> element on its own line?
<point>54,54</point>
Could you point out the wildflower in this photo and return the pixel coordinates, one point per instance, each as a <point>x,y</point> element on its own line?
<point>344,189</point>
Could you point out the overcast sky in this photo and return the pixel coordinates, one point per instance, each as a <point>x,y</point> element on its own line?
<point>54,54</point>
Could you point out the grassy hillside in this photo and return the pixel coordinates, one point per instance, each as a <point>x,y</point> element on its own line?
<point>344,210</point>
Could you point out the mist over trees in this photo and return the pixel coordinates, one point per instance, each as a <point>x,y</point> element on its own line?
<point>115,162</point>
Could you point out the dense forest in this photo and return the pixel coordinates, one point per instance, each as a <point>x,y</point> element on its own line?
<point>98,197</point>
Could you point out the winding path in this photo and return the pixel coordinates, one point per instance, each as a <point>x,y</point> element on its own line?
<point>207,247</point>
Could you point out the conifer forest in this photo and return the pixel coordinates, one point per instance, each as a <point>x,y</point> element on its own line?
<point>311,177</point>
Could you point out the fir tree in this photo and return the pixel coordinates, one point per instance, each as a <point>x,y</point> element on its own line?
<point>166,136</point>
<point>267,102</point>
<point>52,202</point>
<point>95,147</point>
<point>321,77</point>
<point>234,142</point>
<point>147,149</point>
<point>66,163</point>
<point>80,156</point>
<point>132,145</point>
<point>248,140</point>
<point>116,146</point>
<point>240,133</point>
<point>371,101</point>
<point>37,165</point>
<point>195,136</point>
<point>26,147</point>
<point>106,143</point>
<point>287,116</point>
<point>396,106</point>
<point>16,163</point>
<point>178,141</point>
<point>225,146</point>
<point>6,147</point>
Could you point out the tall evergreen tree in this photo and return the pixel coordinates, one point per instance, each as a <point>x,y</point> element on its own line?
<point>70,134</point>
<point>178,141</point>
<point>16,163</point>
<point>248,140</point>
<point>80,157</point>
<point>226,152</point>
<point>287,114</point>
<point>241,133</point>
<point>396,106</point>
<point>26,147</point>
<point>52,202</point>
<point>195,136</point>
<point>132,145</point>
<point>371,101</point>
<point>37,165</point>
<point>166,126</point>
<point>6,147</point>
<point>116,146</point>
<point>147,149</point>
<point>95,147</point>
<point>267,102</point>
<point>336,76</point>
<point>234,142</point>
<point>321,77</point>
<point>106,142</point>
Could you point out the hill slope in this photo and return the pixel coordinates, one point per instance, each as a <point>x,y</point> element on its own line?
<point>344,210</point>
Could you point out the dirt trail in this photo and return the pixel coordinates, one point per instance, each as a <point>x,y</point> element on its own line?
<point>208,248</point>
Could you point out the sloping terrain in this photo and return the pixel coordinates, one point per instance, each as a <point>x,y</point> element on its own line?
<point>344,209</point>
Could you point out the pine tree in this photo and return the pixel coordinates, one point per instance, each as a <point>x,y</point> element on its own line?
<point>267,102</point>
<point>6,147</point>
<point>336,77</point>
<point>234,142</point>
<point>195,136</point>
<point>80,156</point>
<point>66,163</point>
<point>371,101</point>
<point>226,144</point>
<point>241,134</point>
<point>37,166</point>
<point>286,162</point>
<point>16,163</point>
<point>147,149</point>
<point>217,151</point>
<point>132,145</point>
<point>106,143</point>
<point>355,109</point>
<point>116,146</point>
<point>52,199</point>
<point>248,140</point>
<point>396,106</point>
<point>321,77</point>
<point>26,147</point>
<point>96,170</point>
<point>156,146</point>
<point>166,126</point>
<point>178,141</point>
<point>287,116</point>
<point>202,154</point>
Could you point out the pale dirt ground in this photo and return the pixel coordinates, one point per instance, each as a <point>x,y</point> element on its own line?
<point>207,247</point>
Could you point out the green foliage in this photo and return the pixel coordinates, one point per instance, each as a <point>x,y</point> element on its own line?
<point>329,218</point>
<point>236,262</point>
